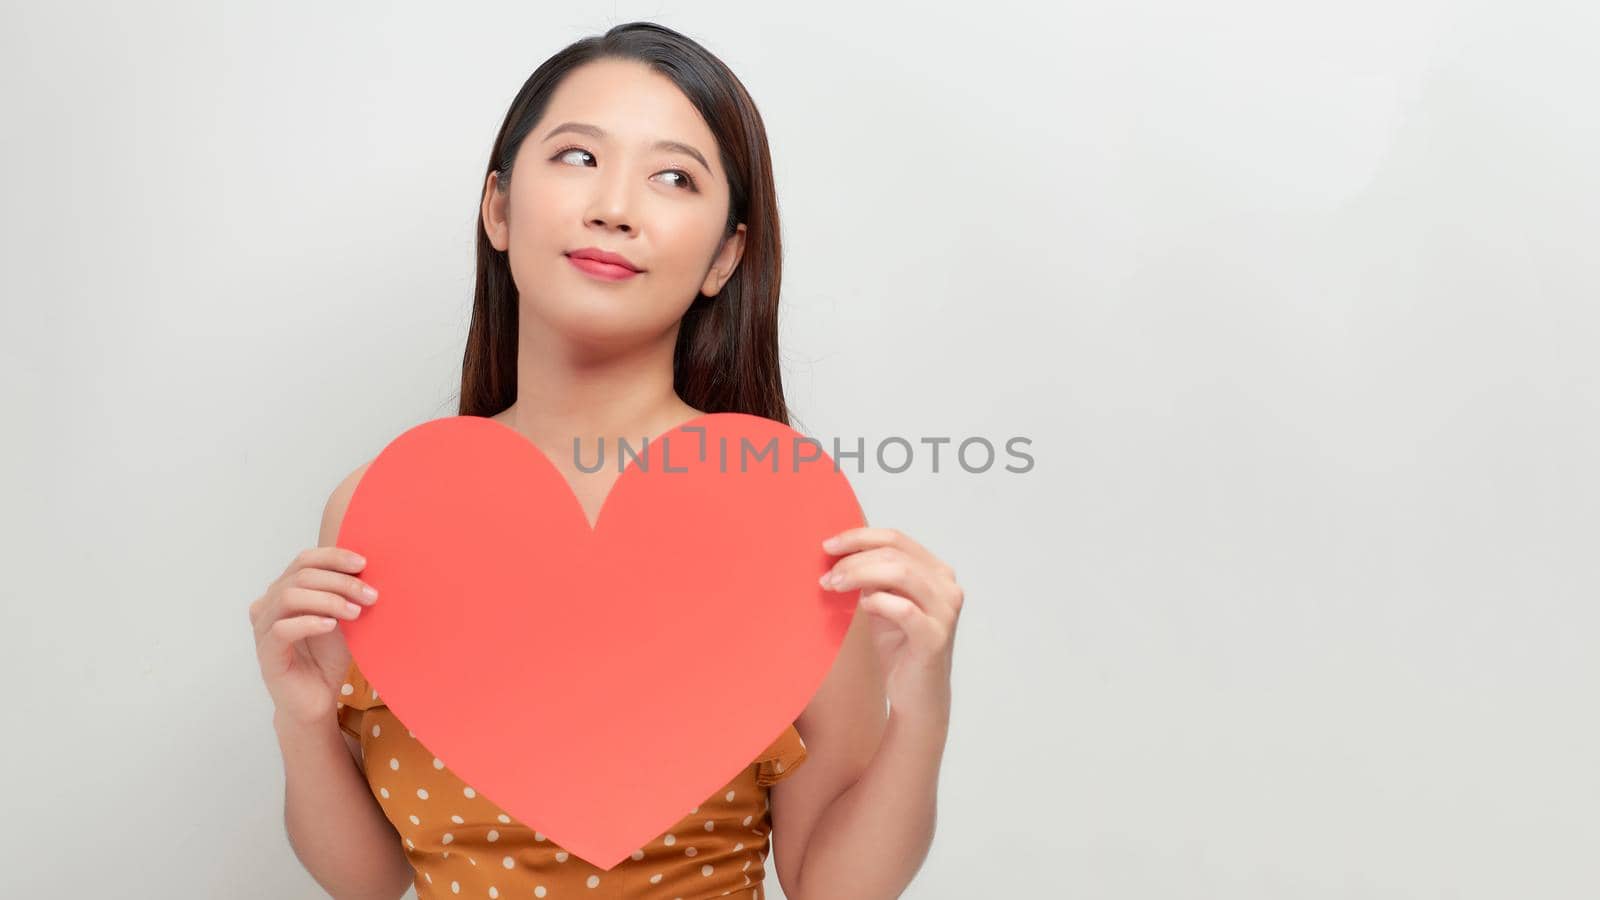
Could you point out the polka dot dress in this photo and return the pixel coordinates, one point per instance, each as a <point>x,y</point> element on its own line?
<point>461,845</point>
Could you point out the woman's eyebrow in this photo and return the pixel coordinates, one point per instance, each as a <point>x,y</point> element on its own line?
<point>597,132</point>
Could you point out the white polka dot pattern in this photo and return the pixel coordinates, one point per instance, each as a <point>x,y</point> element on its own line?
<point>448,827</point>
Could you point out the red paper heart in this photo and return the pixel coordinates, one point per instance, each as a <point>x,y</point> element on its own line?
<point>598,684</point>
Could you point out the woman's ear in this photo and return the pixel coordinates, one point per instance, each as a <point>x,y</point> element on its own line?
<point>726,261</point>
<point>494,212</point>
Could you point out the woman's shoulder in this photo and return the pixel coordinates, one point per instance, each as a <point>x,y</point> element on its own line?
<point>338,502</point>
<point>782,756</point>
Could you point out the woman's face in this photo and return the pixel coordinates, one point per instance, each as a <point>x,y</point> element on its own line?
<point>589,175</point>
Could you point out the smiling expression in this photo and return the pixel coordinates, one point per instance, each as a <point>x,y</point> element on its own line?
<point>620,161</point>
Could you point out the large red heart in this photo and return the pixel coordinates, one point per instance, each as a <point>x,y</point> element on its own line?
<point>598,684</point>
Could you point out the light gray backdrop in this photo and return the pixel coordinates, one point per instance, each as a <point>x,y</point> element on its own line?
<point>1295,302</point>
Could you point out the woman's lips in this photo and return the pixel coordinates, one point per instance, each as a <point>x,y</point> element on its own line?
<point>601,270</point>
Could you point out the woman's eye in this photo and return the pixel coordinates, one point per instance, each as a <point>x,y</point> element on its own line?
<point>571,150</point>
<point>686,181</point>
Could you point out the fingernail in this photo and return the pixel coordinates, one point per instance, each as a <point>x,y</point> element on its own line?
<point>831,544</point>
<point>352,608</point>
<point>370,591</point>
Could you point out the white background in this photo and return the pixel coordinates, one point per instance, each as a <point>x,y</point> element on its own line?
<point>1296,304</point>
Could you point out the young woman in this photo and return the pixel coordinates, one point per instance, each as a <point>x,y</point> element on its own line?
<point>628,274</point>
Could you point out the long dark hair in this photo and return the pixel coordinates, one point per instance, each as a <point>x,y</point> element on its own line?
<point>726,358</point>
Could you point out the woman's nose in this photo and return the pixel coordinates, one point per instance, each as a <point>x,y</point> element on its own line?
<point>611,205</point>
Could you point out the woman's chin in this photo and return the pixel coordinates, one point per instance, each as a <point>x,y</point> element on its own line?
<point>595,324</point>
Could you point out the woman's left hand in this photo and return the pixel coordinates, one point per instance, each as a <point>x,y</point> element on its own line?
<point>915,604</point>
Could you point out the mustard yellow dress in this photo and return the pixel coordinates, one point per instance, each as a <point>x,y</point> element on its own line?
<point>461,844</point>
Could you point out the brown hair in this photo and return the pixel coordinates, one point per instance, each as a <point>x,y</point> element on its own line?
<point>726,358</point>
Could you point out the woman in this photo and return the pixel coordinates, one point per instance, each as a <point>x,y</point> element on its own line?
<point>628,274</point>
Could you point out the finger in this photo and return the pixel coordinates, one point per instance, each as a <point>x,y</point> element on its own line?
<point>889,569</point>
<point>272,606</point>
<point>938,595</point>
<point>275,648</point>
<point>920,629</point>
<point>335,582</point>
<point>336,558</point>
<point>299,601</point>
<point>864,538</point>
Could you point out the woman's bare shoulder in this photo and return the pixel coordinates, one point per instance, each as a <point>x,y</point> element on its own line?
<point>338,502</point>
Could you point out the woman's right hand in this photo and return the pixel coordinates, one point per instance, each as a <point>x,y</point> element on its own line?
<point>299,645</point>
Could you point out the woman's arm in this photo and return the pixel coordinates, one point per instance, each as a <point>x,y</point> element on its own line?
<point>871,840</point>
<point>858,818</point>
<point>336,827</point>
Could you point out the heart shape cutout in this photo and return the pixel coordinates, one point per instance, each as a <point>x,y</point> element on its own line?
<point>599,683</point>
